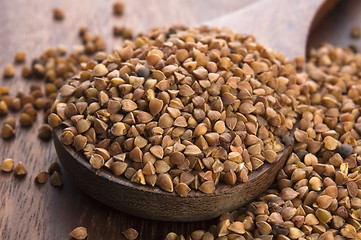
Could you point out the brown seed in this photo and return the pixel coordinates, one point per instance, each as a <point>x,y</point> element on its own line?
<point>79,233</point>
<point>7,131</point>
<point>192,150</point>
<point>55,179</point>
<point>157,151</point>
<point>288,194</point>
<point>7,165</point>
<point>58,14</point>
<point>130,234</point>
<point>67,137</point>
<point>54,120</point>
<point>118,129</point>
<point>96,161</point>
<point>9,71</point>
<point>118,8</point>
<point>10,121</point>
<point>237,227</point>
<point>201,129</point>
<point>3,108</point>
<point>164,181</point>
<point>20,57</point>
<point>143,117</point>
<point>323,215</point>
<point>54,166</point>
<point>128,105</point>
<point>182,189</point>
<point>155,106</point>
<point>44,132</point>
<point>330,143</point>
<point>165,121</point>
<point>207,187</point>
<point>80,142</point>
<point>100,70</point>
<point>118,168</point>
<point>19,169</point>
<point>82,125</point>
<point>42,177</point>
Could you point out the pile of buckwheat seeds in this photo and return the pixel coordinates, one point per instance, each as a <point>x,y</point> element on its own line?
<point>187,109</point>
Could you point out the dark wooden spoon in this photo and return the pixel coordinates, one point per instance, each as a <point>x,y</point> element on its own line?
<point>269,16</point>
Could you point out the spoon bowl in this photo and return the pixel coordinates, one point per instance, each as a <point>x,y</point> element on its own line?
<point>154,203</point>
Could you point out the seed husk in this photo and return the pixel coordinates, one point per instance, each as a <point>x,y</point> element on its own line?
<point>7,165</point>
<point>79,233</point>
<point>118,129</point>
<point>19,169</point>
<point>83,125</point>
<point>207,187</point>
<point>130,234</point>
<point>55,179</point>
<point>182,189</point>
<point>42,177</point>
<point>80,142</point>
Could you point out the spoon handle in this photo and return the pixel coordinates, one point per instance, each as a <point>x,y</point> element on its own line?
<point>278,24</point>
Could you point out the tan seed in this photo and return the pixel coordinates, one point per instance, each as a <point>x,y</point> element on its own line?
<point>323,215</point>
<point>80,142</point>
<point>157,151</point>
<point>42,177</point>
<point>96,161</point>
<point>7,165</point>
<point>55,179</point>
<point>182,189</point>
<point>155,106</point>
<point>9,71</point>
<point>79,233</point>
<point>192,150</point>
<point>44,132</point>
<point>164,181</point>
<point>100,70</point>
<point>130,234</point>
<point>207,187</point>
<point>54,120</point>
<point>19,169</point>
<point>331,143</point>
<point>7,131</point>
<point>118,129</point>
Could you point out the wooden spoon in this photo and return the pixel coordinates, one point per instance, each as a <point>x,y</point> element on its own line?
<point>276,21</point>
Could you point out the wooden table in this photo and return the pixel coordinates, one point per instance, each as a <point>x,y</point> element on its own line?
<point>31,211</point>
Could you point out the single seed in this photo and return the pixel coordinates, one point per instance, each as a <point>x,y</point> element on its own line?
<point>42,177</point>
<point>79,233</point>
<point>9,71</point>
<point>58,14</point>
<point>130,234</point>
<point>100,70</point>
<point>19,169</point>
<point>3,108</point>
<point>7,131</point>
<point>55,179</point>
<point>44,132</point>
<point>20,57</point>
<point>118,8</point>
<point>7,165</point>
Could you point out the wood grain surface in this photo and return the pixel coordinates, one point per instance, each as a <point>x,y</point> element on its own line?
<point>30,211</point>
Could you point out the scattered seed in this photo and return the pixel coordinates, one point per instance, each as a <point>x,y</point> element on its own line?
<point>118,8</point>
<point>9,71</point>
<point>42,177</point>
<point>58,14</point>
<point>7,165</point>
<point>20,57</point>
<point>79,233</point>
<point>55,179</point>
<point>19,169</point>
